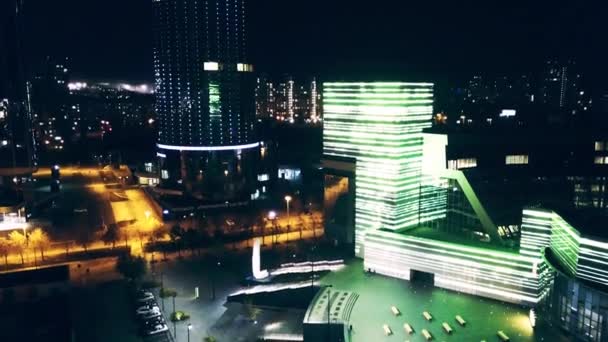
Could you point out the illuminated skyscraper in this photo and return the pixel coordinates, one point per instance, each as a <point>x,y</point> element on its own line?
<point>379,127</point>
<point>204,90</point>
<point>16,138</point>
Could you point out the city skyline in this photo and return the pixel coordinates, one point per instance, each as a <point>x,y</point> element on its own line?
<point>335,40</point>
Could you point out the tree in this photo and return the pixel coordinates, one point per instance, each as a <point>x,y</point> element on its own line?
<point>176,234</point>
<point>158,235</point>
<point>39,240</point>
<point>260,222</point>
<point>85,238</point>
<point>110,235</point>
<point>5,249</point>
<point>192,239</point>
<point>210,339</point>
<point>132,268</point>
<point>19,242</point>
<point>302,223</point>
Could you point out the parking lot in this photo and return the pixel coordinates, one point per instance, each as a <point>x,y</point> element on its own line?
<point>153,323</point>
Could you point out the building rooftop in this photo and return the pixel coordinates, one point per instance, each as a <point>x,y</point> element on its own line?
<point>342,303</point>
<point>452,237</point>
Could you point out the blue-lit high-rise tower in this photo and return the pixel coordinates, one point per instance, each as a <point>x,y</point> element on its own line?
<point>205,97</point>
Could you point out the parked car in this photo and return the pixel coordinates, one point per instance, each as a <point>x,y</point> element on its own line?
<point>146,309</point>
<point>150,315</point>
<point>143,296</point>
<point>157,329</point>
<point>147,323</point>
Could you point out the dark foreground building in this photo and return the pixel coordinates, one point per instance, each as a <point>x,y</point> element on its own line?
<point>204,98</point>
<point>16,139</point>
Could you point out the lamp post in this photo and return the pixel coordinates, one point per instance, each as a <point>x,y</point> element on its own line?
<point>189,328</point>
<point>219,264</point>
<point>287,200</point>
<point>272,215</point>
<point>162,289</point>
<point>312,269</point>
<point>174,326</point>
<point>328,312</point>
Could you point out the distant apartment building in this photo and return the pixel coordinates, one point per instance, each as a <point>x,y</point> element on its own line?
<point>562,87</point>
<point>287,99</point>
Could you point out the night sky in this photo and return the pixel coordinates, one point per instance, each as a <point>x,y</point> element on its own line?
<point>417,40</point>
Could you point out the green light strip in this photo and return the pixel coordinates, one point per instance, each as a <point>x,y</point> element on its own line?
<point>484,272</point>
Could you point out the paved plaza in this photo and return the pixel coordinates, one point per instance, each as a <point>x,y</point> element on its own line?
<point>378,293</point>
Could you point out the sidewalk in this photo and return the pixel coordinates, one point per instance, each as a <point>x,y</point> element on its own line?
<point>57,254</point>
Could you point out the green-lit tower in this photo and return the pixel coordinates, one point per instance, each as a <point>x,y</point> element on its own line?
<point>378,126</point>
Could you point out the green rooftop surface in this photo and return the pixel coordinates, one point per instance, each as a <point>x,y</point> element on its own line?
<point>439,235</point>
<point>378,293</point>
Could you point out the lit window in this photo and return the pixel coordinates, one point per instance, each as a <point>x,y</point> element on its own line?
<point>211,66</point>
<point>463,163</point>
<point>164,174</point>
<point>601,160</point>
<point>601,146</point>
<point>516,159</point>
<point>244,67</point>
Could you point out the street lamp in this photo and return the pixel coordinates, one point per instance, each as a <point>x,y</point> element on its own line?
<point>272,215</point>
<point>189,328</point>
<point>287,200</point>
<point>328,312</point>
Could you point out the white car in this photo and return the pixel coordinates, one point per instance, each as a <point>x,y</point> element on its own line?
<point>145,296</point>
<point>151,314</point>
<point>144,310</point>
<point>157,329</point>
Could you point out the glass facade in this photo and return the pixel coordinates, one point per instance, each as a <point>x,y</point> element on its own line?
<point>576,308</point>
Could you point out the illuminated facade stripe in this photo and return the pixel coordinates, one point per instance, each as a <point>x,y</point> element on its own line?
<point>580,256</point>
<point>208,148</point>
<point>380,125</point>
<point>507,276</point>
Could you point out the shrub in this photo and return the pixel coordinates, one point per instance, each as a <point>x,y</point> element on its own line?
<point>179,316</point>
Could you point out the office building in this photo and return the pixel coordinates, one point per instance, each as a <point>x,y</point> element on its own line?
<point>388,189</point>
<point>574,245</point>
<point>204,97</point>
<point>367,125</point>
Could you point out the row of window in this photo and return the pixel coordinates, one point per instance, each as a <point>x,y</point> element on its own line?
<point>466,163</point>
<point>215,66</point>
<point>602,160</point>
<point>601,146</point>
